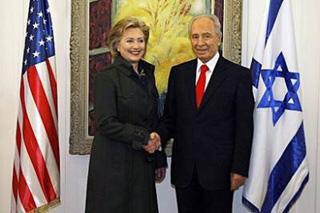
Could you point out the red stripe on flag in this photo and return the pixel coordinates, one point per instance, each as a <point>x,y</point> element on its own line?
<point>35,155</point>
<point>25,194</point>
<point>53,84</point>
<point>43,106</point>
<point>18,138</point>
<point>14,184</point>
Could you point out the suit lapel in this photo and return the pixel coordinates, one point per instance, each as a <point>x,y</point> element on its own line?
<point>190,79</point>
<point>218,76</point>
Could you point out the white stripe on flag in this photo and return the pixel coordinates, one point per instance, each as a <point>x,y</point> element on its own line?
<point>292,187</point>
<point>52,61</point>
<point>31,177</point>
<point>41,137</point>
<point>42,71</point>
<point>19,207</point>
<point>16,160</point>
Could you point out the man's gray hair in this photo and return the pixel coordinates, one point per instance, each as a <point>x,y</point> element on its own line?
<point>213,18</point>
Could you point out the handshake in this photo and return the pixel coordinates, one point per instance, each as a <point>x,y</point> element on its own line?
<point>154,143</point>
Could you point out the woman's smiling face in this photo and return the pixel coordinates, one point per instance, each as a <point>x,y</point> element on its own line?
<point>132,45</point>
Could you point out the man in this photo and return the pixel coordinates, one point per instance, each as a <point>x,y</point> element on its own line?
<point>208,111</point>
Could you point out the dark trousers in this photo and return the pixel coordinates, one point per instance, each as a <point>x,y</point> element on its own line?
<point>195,199</point>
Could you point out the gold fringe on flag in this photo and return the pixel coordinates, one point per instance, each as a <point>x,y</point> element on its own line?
<point>45,208</point>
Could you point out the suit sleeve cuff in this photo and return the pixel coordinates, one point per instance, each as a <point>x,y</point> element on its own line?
<point>161,160</point>
<point>140,138</point>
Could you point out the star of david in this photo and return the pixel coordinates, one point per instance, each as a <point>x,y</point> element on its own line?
<point>292,83</point>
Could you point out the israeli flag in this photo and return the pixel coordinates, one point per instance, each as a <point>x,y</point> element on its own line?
<point>278,169</point>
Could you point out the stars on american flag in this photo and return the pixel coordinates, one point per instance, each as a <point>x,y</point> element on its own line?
<point>35,25</point>
<point>41,42</point>
<point>40,14</point>
<point>39,35</point>
<point>36,54</point>
<point>49,38</point>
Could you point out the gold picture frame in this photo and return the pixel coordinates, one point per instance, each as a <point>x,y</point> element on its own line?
<point>80,141</point>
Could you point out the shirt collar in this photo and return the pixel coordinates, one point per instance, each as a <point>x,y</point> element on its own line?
<point>211,63</point>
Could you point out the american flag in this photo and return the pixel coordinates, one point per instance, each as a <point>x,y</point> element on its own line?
<point>36,172</point>
<point>278,167</point>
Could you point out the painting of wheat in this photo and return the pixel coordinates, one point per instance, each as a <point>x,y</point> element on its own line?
<point>168,21</point>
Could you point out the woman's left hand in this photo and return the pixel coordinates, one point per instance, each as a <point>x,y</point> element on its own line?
<point>153,144</point>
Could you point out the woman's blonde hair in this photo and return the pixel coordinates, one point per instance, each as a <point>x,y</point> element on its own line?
<point>118,29</point>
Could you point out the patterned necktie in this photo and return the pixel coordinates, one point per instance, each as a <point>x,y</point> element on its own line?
<point>201,84</point>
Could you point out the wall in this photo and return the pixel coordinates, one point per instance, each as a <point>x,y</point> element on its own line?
<point>11,42</point>
<point>74,168</point>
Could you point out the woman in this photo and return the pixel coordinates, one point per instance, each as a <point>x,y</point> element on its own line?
<point>123,159</point>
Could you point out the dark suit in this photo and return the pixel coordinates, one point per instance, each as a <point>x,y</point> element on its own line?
<point>215,139</point>
<point>121,173</point>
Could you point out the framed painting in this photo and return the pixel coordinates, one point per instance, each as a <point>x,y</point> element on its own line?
<point>168,45</point>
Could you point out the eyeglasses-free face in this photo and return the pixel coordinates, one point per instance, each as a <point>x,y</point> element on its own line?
<point>204,39</point>
<point>132,45</point>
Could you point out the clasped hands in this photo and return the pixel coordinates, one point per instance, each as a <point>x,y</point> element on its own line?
<point>153,144</point>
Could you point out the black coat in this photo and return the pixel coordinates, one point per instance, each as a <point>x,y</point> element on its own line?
<point>121,173</point>
<point>216,138</point>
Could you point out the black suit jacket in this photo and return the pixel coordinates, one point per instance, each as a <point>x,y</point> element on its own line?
<point>216,138</point>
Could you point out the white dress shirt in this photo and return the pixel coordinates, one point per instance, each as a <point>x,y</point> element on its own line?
<point>211,65</point>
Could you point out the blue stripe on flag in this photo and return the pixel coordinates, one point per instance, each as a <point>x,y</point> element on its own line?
<point>273,13</point>
<point>254,209</point>
<point>255,72</point>
<point>285,169</point>
<point>282,173</point>
<point>250,206</point>
<point>297,195</point>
